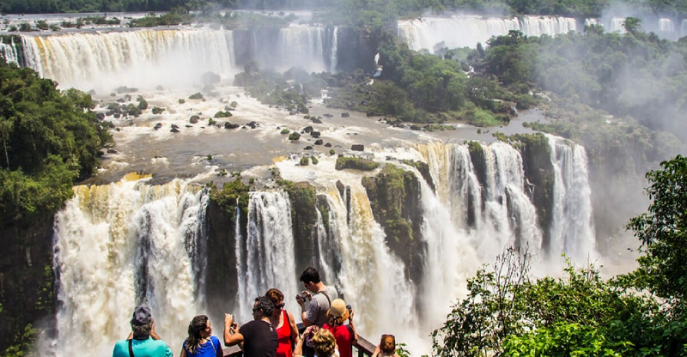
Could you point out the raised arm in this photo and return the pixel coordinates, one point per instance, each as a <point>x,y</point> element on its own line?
<point>231,331</point>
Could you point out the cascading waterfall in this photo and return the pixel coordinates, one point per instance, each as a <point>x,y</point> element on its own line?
<point>492,214</point>
<point>294,46</point>
<point>327,250</point>
<point>9,51</point>
<point>144,58</point>
<point>266,257</point>
<point>468,30</point>
<point>334,61</point>
<point>572,229</point>
<point>120,245</point>
<point>372,278</point>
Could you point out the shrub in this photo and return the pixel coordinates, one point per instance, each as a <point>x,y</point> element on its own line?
<point>285,131</point>
<point>305,161</point>
<point>356,163</point>
<point>294,136</point>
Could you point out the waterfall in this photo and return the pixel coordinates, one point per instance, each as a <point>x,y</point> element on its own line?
<point>372,278</point>
<point>572,229</point>
<point>141,58</point>
<point>490,214</point>
<point>327,249</point>
<point>468,30</point>
<point>266,257</point>
<point>293,46</point>
<point>124,244</point>
<point>9,51</point>
<point>334,61</point>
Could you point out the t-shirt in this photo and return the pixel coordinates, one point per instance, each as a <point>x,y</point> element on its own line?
<point>344,339</point>
<point>142,348</point>
<point>318,306</point>
<point>259,339</point>
<point>208,349</point>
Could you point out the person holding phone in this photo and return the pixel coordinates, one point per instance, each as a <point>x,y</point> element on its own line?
<point>257,338</point>
<point>345,335</point>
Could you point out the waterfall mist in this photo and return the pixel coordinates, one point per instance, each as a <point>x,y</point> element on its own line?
<point>121,245</point>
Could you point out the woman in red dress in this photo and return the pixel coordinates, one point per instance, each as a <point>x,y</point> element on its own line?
<point>283,323</point>
<point>345,335</point>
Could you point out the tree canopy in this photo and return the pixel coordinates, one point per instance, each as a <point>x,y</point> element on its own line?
<point>510,313</point>
<point>48,139</point>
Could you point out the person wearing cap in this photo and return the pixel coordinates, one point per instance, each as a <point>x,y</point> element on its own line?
<point>142,341</point>
<point>345,335</point>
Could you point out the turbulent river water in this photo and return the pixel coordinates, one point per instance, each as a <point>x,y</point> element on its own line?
<point>137,231</point>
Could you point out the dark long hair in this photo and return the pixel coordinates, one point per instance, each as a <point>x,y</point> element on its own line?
<point>197,325</point>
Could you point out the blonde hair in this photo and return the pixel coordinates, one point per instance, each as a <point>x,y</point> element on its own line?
<point>324,343</point>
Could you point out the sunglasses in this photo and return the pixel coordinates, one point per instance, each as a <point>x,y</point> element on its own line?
<point>280,306</point>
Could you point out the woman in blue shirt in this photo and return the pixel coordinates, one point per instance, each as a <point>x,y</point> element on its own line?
<point>200,341</point>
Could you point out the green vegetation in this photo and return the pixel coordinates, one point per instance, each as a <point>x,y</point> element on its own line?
<point>294,136</point>
<point>196,96</point>
<point>223,114</point>
<point>508,312</point>
<point>233,194</point>
<point>49,140</point>
<point>284,131</point>
<point>177,16</point>
<point>314,160</point>
<point>356,163</point>
<point>305,161</point>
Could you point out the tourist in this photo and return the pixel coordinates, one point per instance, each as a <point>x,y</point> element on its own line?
<point>142,341</point>
<point>345,335</point>
<point>319,297</point>
<point>257,338</point>
<point>287,332</point>
<point>323,342</point>
<point>200,341</point>
<point>386,347</point>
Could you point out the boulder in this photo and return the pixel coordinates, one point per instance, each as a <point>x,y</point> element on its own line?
<point>100,116</point>
<point>327,115</point>
<point>345,115</point>
<point>307,129</point>
<point>194,119</point>
<point>316,121</point>
<point>229,125</point>
<point>307,147</point>
<point>328,145</point>
<point>318,142</point>
<point>112,151</point>
<point>253,125</point>
<point>358,147</point>
<point>315,134</point>
<point>157,126</point>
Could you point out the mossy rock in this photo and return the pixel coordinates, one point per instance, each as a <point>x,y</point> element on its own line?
<point>294,136</point>
<point>356,163</point>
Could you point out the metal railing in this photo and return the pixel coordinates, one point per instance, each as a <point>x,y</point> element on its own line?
<point>363,347</point>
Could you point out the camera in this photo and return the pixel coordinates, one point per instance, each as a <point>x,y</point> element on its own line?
<point>349,308</point>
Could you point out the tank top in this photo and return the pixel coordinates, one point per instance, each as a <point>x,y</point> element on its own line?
<point>284,335</point>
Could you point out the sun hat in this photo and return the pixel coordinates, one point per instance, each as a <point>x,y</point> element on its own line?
<point>142,316</point>
<point>338,309</point>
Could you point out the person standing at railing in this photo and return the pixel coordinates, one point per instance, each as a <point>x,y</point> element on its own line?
<point>142,341</point>
<point>323,342</point>
<point>200,341</point>
<point>319,297</point>
<point>257,338</point>
<point>386,347</point>
<point>287,331</point>
<point>345,335</point>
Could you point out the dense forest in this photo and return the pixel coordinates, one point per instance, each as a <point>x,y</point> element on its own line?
<point>364,10</point>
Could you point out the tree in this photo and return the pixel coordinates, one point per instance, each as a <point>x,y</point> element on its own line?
<point>663,233</point>
<point>632,25</point>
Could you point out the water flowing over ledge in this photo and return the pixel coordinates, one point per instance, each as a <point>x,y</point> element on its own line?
<point>149,242</point>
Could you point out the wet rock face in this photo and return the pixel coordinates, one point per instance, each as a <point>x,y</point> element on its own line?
<point>395,201</point>
<point>26,277</point>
